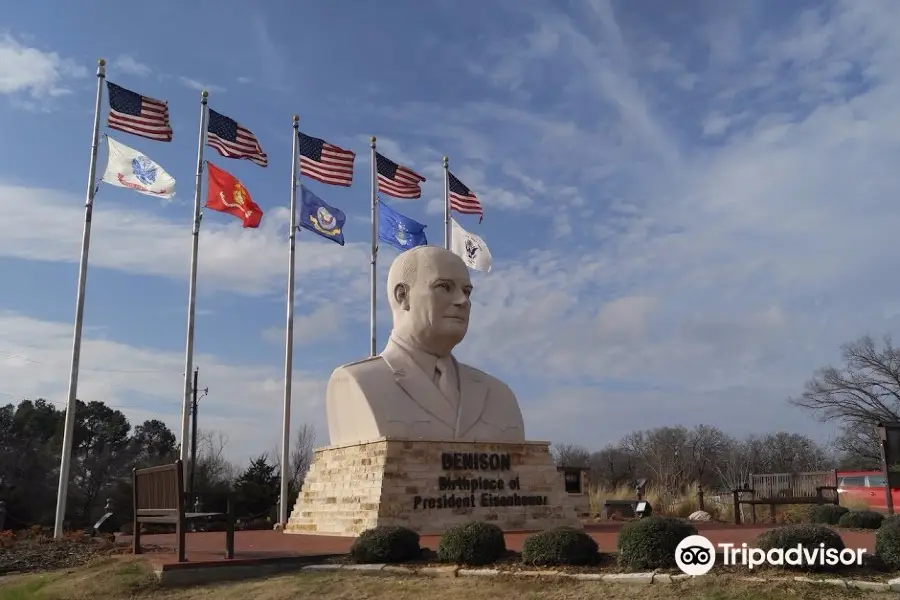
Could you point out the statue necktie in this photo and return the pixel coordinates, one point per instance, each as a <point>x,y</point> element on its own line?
<point>444,379</point>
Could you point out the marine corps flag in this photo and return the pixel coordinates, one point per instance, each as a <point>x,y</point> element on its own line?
<point>228,195</point>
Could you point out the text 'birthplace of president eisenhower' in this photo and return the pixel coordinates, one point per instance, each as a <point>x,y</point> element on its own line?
<point>463,489</point>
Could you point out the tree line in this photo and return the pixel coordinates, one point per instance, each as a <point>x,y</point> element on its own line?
<point>857,394</point>
<point>106,448</point>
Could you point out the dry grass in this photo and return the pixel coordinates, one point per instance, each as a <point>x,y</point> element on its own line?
<point>682,505</point>
<point>129,578</point>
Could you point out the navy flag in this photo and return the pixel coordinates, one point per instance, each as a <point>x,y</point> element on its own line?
<point>320,218</point>
<point>398,230</point>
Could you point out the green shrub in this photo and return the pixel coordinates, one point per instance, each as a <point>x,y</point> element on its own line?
<point>559,546</point>
<point>472,544</point>
<point>891,520</point>
<point>806,536</point>
<point>385,544</point>
<point>650,543</point>
<point>887,542</point>
<point>861,519</point>
<point>826,514</point>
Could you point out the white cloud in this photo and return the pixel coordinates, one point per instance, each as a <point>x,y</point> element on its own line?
<point>46,225</point>
<point>34,72</point>
<point>245,400</point>
<point>324,323</point>
<point>130,65</point>
<point>200,86</point>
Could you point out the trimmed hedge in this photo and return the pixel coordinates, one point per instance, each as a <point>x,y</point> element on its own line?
<point>472,544</point>
<point>887,542</point>
<point>385,544</point>
<point>806,536</point>
<point>559,546</point>
<point>650,543</point>
<point>826,514</point>
<point>861,519</point>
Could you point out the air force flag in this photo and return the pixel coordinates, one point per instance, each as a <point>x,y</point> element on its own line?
<point>128,168</point>
<point>317,216</point>
<point>470,248</point>
<point>398,230</point>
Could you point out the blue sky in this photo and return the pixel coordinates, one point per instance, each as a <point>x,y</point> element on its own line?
<point>690,208</point>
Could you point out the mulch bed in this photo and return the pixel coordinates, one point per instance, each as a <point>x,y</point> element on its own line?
<point>28,553</point>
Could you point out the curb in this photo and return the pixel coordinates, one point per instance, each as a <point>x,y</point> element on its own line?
<point>645,578</point>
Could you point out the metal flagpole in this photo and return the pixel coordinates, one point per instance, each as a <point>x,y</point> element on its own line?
<point>446,203</point>
<point>372,274</point>
<point>289,339</point>
<point>192,289</point>
<point>68,432</point>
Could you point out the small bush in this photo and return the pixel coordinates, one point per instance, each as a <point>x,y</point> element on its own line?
<point>826,514</point>
<point>559,546</point>
<point>385,544</point>
<point>861,519</point>
<point>891,520</point>
<point>473,544</point>
<point>887,542</point>
<point>650,543</point>
<point>806,536</point>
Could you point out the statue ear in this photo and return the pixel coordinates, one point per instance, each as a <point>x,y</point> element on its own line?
<point>401,296</point>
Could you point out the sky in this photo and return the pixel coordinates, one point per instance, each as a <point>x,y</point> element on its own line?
<point>689,205</point>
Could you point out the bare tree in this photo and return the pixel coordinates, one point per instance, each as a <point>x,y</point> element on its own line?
<point>734,465</point>
<point>614,466</point>
<point>213,469</point>
<point>571,455</point>
<point>301,456</point>
<point>705,445</point>
<point>858,395</point>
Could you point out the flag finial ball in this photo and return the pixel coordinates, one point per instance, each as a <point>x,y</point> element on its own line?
<point>204,94</point>
<point>296,118</point>
<point>101,63</point>
<point>446,161</point>
<point>372,139</point>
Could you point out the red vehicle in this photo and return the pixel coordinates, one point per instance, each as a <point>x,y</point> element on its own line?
<point>866,487</point>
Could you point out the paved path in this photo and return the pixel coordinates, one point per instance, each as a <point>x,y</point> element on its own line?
<point>250,545</point>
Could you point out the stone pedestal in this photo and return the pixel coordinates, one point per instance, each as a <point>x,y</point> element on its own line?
<point>429,486</point>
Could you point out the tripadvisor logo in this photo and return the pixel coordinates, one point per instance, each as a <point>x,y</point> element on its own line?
<point>696,555</point>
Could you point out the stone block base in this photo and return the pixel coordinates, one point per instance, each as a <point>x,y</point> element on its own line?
<point>429,486</point>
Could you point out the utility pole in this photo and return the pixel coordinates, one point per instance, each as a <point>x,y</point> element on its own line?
<point>194,432</point>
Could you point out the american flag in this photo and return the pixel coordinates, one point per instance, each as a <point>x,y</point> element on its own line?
<point>136,114</point>
<point>232,140</point>
<point>463,200</point>
<point>396,180</point>
<point>325,162</point>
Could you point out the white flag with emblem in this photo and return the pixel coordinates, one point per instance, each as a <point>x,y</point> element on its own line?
<point>128,168</point>
<point>470,248</point>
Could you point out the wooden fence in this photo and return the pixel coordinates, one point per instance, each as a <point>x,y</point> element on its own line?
<point>791,485</point>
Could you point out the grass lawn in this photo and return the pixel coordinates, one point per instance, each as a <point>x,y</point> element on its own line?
<point>119,579</point>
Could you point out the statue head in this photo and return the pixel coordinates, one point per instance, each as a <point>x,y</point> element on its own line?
<point>428,290</point>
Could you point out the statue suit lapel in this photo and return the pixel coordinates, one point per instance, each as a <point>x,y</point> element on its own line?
<point>473,391</point>
<point>418,386</point>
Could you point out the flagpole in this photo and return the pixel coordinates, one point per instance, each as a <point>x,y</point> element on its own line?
<point>66,454</point>
<point>374,255</point>
<point>446,203</point>
<point>289,338</point>
<point>192,289</point>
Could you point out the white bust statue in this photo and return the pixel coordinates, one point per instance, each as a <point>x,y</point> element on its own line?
<point>415,388</point>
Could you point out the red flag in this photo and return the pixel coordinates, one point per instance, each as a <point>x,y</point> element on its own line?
<point>228,195</point>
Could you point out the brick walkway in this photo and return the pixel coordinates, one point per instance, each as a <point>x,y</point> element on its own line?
<point>253,546</point>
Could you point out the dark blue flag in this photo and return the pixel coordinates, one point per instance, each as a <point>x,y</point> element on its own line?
<point>398,230</point>
<point>317,216</point>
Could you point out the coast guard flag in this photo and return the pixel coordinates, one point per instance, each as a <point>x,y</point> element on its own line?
<point>470,248</point>
<point>398,230</point>
<point>128,168</point>
<point>317,216</point>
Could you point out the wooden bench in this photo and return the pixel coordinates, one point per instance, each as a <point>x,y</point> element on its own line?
<point>782,489</point>
<point>159,498</point>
